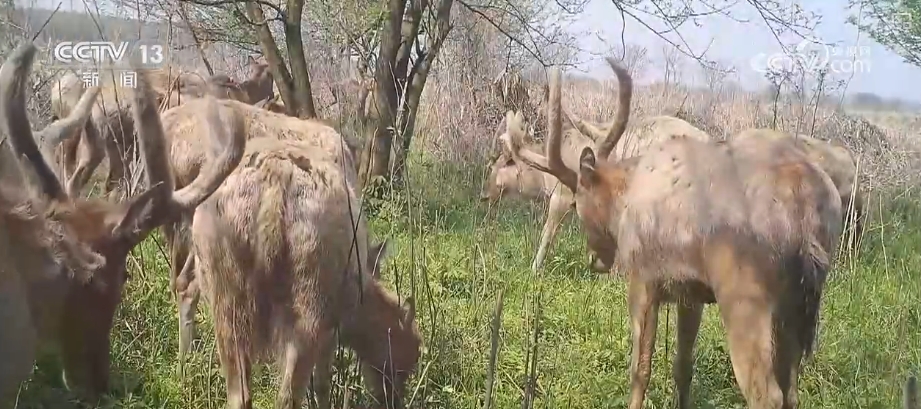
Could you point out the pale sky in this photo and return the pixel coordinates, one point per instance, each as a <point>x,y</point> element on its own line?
<point>878,70</point>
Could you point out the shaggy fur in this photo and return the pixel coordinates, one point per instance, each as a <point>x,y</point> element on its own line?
<point>63,309</point>
<point>275,249</point>
<point>748,224</point>
<point>187,156</point>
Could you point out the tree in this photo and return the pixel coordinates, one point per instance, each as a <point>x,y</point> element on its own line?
<point>672,62</point>
<point>896,24</point>
<point>400,74</point>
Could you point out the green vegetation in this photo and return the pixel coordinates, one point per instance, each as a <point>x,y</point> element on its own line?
<point>459,259</point>
<point>895,24</point>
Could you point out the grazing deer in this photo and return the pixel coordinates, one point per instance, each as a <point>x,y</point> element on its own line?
<point>38,256</point>
<point>78,316</point>
<point>747,224</point>
<point>112,117</point>
<point>508,176</point>
<point>839,163</point>
<point>188,156</point>
<point>282,256</point>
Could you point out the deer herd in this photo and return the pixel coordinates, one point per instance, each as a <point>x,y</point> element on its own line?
<point>261,214</point>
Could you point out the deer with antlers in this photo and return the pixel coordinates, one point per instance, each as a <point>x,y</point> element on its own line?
<point>506,175</point>
<point>747,224</point>
<point>79,316</point>
<point>114,136</point>
<point>38,256</point>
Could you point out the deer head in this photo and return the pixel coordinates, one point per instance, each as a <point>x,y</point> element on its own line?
<point>110,228</point>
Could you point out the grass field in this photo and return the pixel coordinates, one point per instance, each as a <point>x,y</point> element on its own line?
<point>458,259</point>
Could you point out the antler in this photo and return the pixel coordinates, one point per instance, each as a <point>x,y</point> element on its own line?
<point>164,202</point>
<point>151,134</point>
<point>553,162</point>
<point>14,121</point>
<point>62,129</point>
<point>624,95</point>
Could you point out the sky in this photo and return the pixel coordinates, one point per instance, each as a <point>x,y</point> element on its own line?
<point>732,43</point>
<point>876,69</point>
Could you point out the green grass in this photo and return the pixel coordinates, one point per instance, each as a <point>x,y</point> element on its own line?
<point>456,259</point>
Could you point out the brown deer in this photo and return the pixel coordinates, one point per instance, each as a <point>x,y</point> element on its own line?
<point>282,256</point>
<point>112,116</point>
<point>839,163</point>
<point>38,255</point>
<point>260,84</point>
<point>748,224</point>
<point>78,316</point>
<point>187,157</point>
<point>509,176</point>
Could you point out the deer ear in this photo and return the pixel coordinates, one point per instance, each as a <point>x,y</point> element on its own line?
<point>409,310</point>
<point>587,171</point>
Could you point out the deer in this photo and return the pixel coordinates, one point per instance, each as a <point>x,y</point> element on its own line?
<point>187,158</point>
<point>839,163</point>
<point>38,255</point>
<point>75,315</point>
<point>506,175</point>
<point>283,256</point>
<point>260,84</point>
<point>112,116</point>
<point>747,224</point>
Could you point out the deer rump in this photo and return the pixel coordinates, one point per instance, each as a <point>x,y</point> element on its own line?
<point>763,198</point>
<point>283,259</point>
<point>281,225</point>
<point>188,156</point>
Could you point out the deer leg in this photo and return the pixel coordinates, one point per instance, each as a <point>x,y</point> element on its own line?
<point>644,315</point>
<point>555,213</point>
<point>788,344</point>
<point>88,155</point>
<point>69,153</point>
<point>236,366</point>
<point>188,294</point>
<point>300,357</point>
<point>750,327</point>
<point>689,316</point>
<point>322,374</point>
